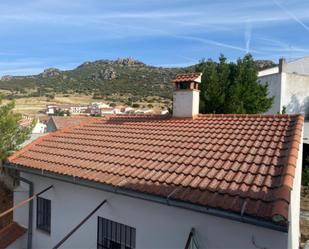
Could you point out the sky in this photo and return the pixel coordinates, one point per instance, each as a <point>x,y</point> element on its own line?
<point>38,34</point>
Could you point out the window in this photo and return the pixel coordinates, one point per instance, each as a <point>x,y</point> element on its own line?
<point>113,235</point>
<point>43,214</point>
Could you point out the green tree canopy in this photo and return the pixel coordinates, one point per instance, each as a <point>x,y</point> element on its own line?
<point>232,87</point>
<point>11,133</point>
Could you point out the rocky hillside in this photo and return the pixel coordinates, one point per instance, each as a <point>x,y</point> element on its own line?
<point>264,64</point>
<point>100,78</point>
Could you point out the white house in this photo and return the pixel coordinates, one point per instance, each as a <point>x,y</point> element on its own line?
<point>161,181</point>
<point>39,127</point>
<point>289,84</point>
<point>51,109</point>
<point>107,111</point>
<point>78,109</point>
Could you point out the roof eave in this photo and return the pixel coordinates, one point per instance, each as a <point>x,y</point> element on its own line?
<point>154,198</point>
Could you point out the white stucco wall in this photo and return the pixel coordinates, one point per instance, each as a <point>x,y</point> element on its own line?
<point>268,71</point>
<point>294,211</point>
<point>186,103</point>
<point>296,92</point>
<point>274,88</point>
<point>299,66</point>
<point>306,132</point>
<point>157,225</point>
<point>39,128</point>
<point>289,90</point>
<point>19,243</point>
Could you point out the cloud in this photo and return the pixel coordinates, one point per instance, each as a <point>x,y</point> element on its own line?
<point>81,29</point>
<point>292,15</point>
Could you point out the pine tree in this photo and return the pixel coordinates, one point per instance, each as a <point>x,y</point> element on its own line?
<point>232,88</point>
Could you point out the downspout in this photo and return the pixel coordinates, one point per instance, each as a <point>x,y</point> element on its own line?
<point>30,210</point>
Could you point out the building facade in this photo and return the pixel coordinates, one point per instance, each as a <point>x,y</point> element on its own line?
<point>157,224</point>
<point>289,85</point>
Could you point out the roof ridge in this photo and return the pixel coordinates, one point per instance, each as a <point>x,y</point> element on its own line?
<point>281,204</point>
<point>81,124</point>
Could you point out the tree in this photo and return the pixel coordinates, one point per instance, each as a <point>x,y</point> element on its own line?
<point>232,88</point>
<point>11,133</point>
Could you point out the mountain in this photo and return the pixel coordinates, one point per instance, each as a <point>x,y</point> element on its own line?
<point>101,78</point>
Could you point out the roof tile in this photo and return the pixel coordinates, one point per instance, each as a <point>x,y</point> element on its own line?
<point>221,161</point>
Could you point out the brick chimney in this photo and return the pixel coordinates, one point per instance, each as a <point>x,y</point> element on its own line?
<point>186,95</point>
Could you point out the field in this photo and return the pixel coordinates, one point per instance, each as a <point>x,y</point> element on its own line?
<point>34,105</point>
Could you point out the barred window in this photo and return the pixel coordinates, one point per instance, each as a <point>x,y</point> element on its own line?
<point>43,214</point>
<point>113,235</point>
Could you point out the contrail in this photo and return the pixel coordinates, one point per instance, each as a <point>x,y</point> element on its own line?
<point>291,15</point>
<point>248,33</point>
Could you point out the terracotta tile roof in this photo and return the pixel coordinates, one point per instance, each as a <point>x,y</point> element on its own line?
<point>10,233</point>
<point>25,121</point>
<point>239,163</point>
<point>66,122</point>
<point>186,77</point>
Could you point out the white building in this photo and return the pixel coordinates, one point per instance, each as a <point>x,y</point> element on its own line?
<point>289,84</point>
<point>187,181</point>
<point>78,109</point>
<point>39,127</point>
<point>51,109</point>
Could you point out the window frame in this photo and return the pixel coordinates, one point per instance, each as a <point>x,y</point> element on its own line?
<point>43,217</point>
<point>116,233</point>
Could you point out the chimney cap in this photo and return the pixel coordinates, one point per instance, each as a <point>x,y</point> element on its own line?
<point>185,77</point>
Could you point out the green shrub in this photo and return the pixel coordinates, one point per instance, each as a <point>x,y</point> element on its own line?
<point>305,177</point>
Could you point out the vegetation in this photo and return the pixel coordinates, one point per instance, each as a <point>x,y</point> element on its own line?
<point>305,177</point>
<point>100,79</point>
<point>11,134</point>
<point>232,87</point>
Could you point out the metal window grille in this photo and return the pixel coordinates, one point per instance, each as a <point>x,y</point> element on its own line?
<point>113,235</point>
<point>43,214</point>
<point>192,241</point>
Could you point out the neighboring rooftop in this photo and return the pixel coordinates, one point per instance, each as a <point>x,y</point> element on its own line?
<point>68,121</point>
<point>297,66</point>
<point>238,163</point>
<point>11,233</point>
<point>25,121</point>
